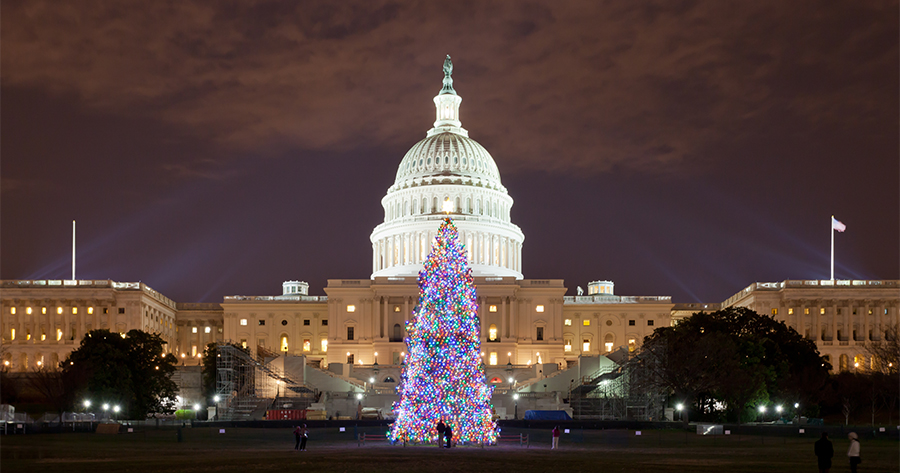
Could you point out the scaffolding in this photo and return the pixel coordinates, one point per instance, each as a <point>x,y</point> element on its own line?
<point>620,392</point>
<point>248,386</point>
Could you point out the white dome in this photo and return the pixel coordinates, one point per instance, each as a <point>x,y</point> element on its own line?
<point>448,158</point>
<point>447,165</point>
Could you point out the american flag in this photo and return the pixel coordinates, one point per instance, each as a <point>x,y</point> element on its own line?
<point>837,225</point>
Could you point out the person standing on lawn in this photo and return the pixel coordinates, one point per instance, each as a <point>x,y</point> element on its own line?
<point>853,451</point>
<point>824,452</point>
<point>555,444</point>
<point>304,434</point>
<point>297,438</point>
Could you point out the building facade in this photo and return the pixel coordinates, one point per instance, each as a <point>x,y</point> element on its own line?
<point>524,322</point>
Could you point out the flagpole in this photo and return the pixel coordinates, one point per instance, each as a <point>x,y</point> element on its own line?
<point>73,250</point>
<point>832,248</point>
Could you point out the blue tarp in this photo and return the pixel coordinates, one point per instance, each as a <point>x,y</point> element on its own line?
<point>547,415</point>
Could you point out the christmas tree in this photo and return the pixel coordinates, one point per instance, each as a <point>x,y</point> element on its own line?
<point>443,379</point>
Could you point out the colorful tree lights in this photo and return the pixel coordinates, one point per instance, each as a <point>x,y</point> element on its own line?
<point>444,375</point>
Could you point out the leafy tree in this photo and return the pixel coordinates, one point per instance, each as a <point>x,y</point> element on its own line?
<point>132,371</point>
<point>734,356</point>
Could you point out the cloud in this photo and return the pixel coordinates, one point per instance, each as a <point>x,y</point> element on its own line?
<point>565,86</point>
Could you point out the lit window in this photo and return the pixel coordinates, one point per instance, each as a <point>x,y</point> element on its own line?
<point>27,334</point>
<point>12,334</point>
<point>493,358</point>
<point>608,346</point>
<point>58,334</point>
<point>43,310</point>
<point>351,308</point>
<point>74,310</point>
<point>822,311</point>
<point>59,310</point>
<point>207,329</point>
<point>492,333</point>
<point>790,311</point>
<point>631,344</point>
<point>568,322</point>
<point>349,358</point>
<point>539,308</point>
<point>28,310</point>
<point>90,310</point>
<point>43,336</point>
<point>12,310</point>
<point>806,311</point>
<point>396,308</point>
<point>193,329</point>
<point>493,308</point>
<point>307,346</point>
<point>586,346</point>
<point>774,311</point>
<point>243,321</point>
<point>324,345</point>
<point>586,322</point>
<point>568,346</point>
<point>284,343</point>
<point>244,343</point>
<point>193,350</point>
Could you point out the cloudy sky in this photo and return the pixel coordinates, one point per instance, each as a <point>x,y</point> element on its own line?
<point>676,148</point>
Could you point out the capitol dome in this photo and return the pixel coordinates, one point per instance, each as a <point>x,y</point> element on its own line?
<point>447,166</point>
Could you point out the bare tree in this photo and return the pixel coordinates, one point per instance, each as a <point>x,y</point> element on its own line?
<point>886,352</point>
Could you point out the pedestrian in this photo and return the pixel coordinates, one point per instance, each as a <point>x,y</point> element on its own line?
<point>853,451</point>
<point>297,436</point>
<point>448,433</point>
<point>555,444</point>
<point>440,430</point>
<point>824,452</point>
<point>304,434</point>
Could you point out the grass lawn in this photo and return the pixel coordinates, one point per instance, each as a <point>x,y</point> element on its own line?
<point>247,450</point>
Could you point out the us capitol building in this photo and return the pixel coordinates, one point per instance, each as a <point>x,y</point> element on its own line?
<point>529,324</point>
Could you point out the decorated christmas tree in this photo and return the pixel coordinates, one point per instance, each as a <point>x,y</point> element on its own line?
<point>443,379</point>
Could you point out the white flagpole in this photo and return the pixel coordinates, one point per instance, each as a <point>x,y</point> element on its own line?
<point>832,247</point>
<point>73,250</point>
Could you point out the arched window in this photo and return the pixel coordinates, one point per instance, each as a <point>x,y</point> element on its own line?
<point>496,380</point>
<point>434,205</point>
<point>398,333</point>
<point>389,380</point>
<point>608,341</point>
<point>844,363</point>
<point>284,342</point>
<point>405,208</point>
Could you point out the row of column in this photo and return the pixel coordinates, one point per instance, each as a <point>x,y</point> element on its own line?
<point>411,207</point>
<point>825,326</point>
<point>481,248</point>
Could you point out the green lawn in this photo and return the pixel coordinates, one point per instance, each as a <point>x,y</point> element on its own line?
<point>246,450</point>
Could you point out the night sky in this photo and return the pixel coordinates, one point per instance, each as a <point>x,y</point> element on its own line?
<point>677,148</point>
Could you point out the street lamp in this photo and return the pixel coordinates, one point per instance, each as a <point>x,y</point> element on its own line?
<point>116,410</point>
<point>516,398</point>
<point>762,412</point>
<point>376,358</point>
<point>679,407</point>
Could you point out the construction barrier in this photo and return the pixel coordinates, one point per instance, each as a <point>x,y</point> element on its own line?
<point>521,439</point>
<point>364,437</point>
<point>286,414</point>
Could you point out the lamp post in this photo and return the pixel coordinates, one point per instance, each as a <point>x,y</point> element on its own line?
<point>516,398</point>
<point>116,411</point>
<point>680,407</point>
<point>762,413</point>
